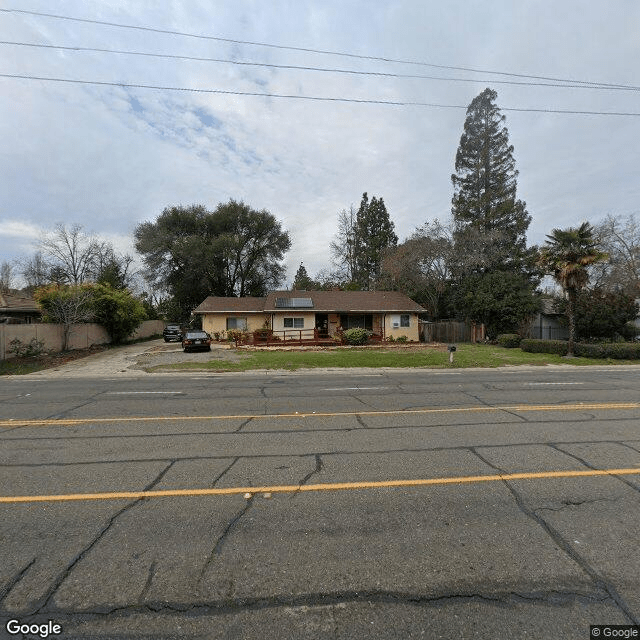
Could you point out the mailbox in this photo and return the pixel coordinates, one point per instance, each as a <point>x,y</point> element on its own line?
<point>451,347</point>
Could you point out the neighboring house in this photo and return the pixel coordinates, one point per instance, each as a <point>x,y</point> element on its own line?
<point>292,314</point>
<point>16,309</point>
<point>548,323</point>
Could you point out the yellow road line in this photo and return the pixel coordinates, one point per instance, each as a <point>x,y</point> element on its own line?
<point>321,414</point>
<point>335,486</point>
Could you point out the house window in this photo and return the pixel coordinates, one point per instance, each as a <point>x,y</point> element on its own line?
<point>294,323</point>
<point>237,323</point>
<point>404,320</point>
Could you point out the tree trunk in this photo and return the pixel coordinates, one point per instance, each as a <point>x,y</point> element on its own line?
<point>572,321</point>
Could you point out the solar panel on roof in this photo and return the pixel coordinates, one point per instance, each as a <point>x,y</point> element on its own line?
<point>294,303</point>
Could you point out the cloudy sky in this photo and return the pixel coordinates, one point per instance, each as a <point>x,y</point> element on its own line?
<point>109,157</point>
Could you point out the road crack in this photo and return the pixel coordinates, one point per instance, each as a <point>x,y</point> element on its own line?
<point>45,602</point>
<point>318,469</point>
<point>599,581</point>
<point>14,580</point>
<point>582,461</point>
<point>243,425</point>
<point>217,548</point>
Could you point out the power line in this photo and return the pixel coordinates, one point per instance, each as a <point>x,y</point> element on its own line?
<point>314,98</point>
<point>321,69</point>
<point>307,50</point>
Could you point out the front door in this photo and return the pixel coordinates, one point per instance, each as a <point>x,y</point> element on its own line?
<point>322,325</point>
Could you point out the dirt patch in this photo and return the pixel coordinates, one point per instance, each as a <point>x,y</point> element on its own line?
<point>47,361</point>
<point>172,354</point>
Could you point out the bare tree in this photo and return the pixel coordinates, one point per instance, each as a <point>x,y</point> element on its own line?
<point>72,252</point>
<point>420,266</point>
<point>344,247</point>
<point>6,276</point>
<point>619,237</point>
<point>36,271</point>
<point>67,306</point>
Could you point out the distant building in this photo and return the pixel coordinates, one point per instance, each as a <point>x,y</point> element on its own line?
<point>17,309</point>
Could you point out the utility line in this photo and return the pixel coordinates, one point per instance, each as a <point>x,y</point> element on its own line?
<point>305,49</point>
<point>321,69</point>
<point>315,98</point>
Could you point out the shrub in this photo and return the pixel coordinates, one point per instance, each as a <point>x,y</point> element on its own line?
<point>356,336</point>
<point>238,336</point>
<point>401,339</point>
<point>544,346</point>
<point>509,340</point>
<point>613,350</point>
<point>390,339</point>
<point>34,347</point>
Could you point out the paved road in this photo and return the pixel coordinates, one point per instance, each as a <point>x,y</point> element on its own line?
<point>238,506</point>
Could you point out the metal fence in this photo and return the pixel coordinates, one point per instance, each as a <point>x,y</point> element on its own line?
<point>548,333</point>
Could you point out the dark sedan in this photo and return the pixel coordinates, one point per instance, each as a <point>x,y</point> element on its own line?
<point>172,332</point>
<point>195,339</point>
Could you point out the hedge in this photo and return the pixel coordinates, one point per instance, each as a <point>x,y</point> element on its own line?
<point>613,350</point>
<point>509,340</point>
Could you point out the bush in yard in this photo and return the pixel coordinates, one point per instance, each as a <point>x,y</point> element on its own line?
<point>509,340</point>
<point>402,339</point>
<point>117,311</point>
<point>613,350</point>
<point>544,346</point>
<point>356,336</point>
<point>34,347</point>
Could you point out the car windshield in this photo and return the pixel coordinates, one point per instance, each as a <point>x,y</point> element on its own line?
<point>196,334</point>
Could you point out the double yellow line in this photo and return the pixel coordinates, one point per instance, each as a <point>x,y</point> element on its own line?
<point>321,414</point>
<point>334,486</point>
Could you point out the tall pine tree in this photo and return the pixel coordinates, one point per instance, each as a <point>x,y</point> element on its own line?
<point>302,281</point>
<point>485,206</point>
<point>495,272</point>
<point>373,234</point>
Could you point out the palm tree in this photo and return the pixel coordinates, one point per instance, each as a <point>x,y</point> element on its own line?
<point>567,255</point>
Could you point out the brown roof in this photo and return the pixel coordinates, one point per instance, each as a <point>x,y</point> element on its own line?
<point>349,301</point>
<point>10,302</point>
<point>214,304</point>
<point>323,301</point>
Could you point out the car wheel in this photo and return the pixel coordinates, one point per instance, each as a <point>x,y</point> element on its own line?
<point>166,339</point>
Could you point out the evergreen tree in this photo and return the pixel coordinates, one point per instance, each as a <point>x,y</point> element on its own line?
<point>302,281</point>
<point>373,234</point>
<point>490,225</point>
<point>484,199</point>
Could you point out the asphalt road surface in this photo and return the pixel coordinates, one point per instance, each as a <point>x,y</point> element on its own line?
<point>397,504</point>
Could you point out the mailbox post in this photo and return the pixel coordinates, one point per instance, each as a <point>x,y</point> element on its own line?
<point>451,348</point>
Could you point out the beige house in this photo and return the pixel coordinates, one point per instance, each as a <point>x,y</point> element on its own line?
<point>305,314</point>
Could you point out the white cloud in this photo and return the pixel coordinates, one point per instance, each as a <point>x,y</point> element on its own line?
<point>110,157</point>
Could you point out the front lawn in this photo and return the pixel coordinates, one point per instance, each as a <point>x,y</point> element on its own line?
<point>467,356</point>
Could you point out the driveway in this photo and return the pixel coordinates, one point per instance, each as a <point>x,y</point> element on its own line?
<point>129,360</point>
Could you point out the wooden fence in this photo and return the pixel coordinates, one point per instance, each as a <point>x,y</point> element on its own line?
<point>451,331</point>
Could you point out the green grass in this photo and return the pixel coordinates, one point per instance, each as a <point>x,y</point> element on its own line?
<point>467,356</point>
<point>11,368</point>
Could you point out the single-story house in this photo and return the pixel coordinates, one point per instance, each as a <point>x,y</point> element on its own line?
<point>17,309</point>
<point>303,314</point>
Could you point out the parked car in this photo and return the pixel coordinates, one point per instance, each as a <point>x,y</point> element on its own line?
<point>172,332</point>
<point>195,339</point>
